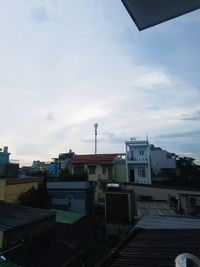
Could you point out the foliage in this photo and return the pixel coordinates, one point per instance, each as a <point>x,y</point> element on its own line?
<point>37,198</point>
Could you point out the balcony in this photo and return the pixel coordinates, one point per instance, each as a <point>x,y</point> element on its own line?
<point>137,160</point>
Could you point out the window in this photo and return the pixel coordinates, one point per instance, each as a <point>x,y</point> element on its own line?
<point>141,172</point>
<point>104,170</point>
<point>92,169</point>
<point>141,152</point>
<point>78,170</point>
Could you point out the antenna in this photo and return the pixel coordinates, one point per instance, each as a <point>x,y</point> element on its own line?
<point>147,137</point>
<point>95,136</point>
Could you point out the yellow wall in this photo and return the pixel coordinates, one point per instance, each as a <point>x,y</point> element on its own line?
<point>2,189</point>
<point>13,191</point>
<point>1,239</point>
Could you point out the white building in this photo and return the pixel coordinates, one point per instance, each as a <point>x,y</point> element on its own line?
<point>138,161</point>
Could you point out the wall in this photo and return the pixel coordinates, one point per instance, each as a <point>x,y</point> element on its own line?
<point>160,193</point>
<point>2,189</point>
<point>120,172</point>
<point>160,159</point>
<point>1,239</point>
<point>15,187</point>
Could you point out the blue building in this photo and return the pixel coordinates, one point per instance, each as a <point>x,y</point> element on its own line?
<point>72,196</point>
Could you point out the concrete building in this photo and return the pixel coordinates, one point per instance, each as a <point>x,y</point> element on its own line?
<point>8,169</point>
<point>162,161</point>
<point>4,155</point>
<point>72,196</point>
<point>138,162</point>
<point>11,189</point>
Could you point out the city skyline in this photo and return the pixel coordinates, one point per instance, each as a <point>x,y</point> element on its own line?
<point>65,65</point>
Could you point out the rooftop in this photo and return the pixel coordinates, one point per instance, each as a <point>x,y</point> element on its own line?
<point>68,217</point>
<point>156,248</point>
<point>154,208</point>
<point>168,222</point>
<point>12,215</point>
<point>156,241</point>
<point>101,159</point>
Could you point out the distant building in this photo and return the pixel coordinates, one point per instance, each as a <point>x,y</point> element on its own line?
<point>138,162</point>
<point>162,162</point>
<point>72,196</point>
<point>62,161</point>
<point>8,169</point>
<point>51,169</point>
<point>38,166</point>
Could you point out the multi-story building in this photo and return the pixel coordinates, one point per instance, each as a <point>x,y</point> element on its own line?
<point>138,161</point>
<point>8,169</point>
<point>162,162</point>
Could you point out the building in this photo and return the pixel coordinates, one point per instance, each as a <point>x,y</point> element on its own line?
<point>4,155</point>
<point>72,196</point>
<point>163,163</point>
<point>156,241</point>
<point>11,189</point>
<point>51,169</point>
<point>18,223</point>
<point>138,162</point>
<point>38,166</point>
<point>8,169</point>
<point>190,204</point>
<point>100,169</point>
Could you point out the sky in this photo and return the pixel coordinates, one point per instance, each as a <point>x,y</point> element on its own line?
<point>65,65</point>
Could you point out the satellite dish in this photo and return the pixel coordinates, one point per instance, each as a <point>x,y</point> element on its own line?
<point>148,13</point>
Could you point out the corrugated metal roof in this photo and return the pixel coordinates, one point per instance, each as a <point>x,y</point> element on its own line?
<point>12,215</point>
<point>93,159</point>
<point>158,248</point>
<point>166,222</point>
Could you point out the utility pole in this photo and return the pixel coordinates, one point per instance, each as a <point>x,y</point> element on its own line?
<point>95,136</point>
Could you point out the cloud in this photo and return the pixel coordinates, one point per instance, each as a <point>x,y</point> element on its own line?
<point>190,134</point>
<point>108,137</point>
<point>40,15</point>
<point>50,116</point>
<point>191,117</point>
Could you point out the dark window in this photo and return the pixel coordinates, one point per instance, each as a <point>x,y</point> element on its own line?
<point>104,170</point>
<point>92,169</point>
<point>78,170</point>
<point>141,172</point>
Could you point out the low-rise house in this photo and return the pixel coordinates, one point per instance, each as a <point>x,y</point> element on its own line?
<point>100,168</point>
<point>72,196</point>
<point>19,223</point>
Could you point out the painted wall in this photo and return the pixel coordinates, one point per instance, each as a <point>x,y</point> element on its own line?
<point>2,189</point>
<point>14,187</point>
<point>120,172</point>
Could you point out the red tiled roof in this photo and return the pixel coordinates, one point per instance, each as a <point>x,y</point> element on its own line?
<point>101,159</point>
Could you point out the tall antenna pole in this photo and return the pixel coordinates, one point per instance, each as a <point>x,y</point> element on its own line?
<point>95,136</point>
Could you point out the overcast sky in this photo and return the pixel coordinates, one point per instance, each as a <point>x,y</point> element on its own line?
<point>65,65</point>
